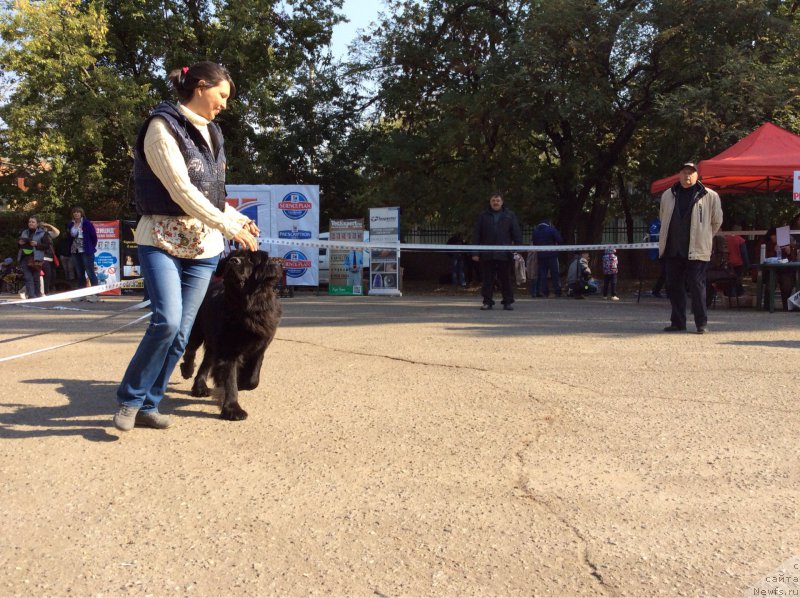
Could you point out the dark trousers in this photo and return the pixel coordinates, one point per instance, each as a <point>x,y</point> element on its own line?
<point>549,265</point>
<point>683,274</point>
<point>457,269</point>
<point>32,285</point>
<point>49,269</point>
<point>662,277</point>
<point>610,280</point>
<point>501,269</point>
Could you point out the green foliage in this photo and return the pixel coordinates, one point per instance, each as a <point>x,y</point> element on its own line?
<point>85,74</point>
<point>69,117</point>
<point>561,103</point>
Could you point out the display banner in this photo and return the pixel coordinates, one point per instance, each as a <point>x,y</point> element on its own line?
<point>106,257</point>
<point>284,212</point>
<point>384,266</point>
<point>796,186</point>
<point>346,266</point>
<point>129,256</point>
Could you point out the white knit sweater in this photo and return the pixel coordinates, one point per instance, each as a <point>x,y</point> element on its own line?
<point>165,159</point>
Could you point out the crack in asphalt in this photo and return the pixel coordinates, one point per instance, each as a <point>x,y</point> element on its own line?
<point>528,493</point>
<point>382,356</point>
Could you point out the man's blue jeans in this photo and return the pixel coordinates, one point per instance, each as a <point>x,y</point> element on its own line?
<point>176,288</point>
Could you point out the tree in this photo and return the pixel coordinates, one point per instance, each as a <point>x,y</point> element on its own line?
<point>86,73</point>
<point>546,99</point>
<point>68,120</point>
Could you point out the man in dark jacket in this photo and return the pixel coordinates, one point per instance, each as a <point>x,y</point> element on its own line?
<point>496,226</point>
<point>547,234</point>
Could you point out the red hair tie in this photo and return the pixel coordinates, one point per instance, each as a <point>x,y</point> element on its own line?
<point>184,70</point>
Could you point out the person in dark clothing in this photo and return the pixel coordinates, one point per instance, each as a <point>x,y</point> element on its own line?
<point>457,273</point>
<point>546,234</point>
<point>654,229</point>
<point>690,217</point>
<point>34,243</point>
<point>496,226</point>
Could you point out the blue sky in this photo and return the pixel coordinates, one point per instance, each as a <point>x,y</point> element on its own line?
<point>360,13</point>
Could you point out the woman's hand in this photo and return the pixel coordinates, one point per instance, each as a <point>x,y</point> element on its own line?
<point>245,239</point>
<point>252,228</point>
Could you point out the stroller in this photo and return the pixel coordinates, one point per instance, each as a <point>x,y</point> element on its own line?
<point>11,278</point>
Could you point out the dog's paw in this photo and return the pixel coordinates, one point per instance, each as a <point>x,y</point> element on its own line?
<point>200,389</point>
<point>187,369</point>
<point>233,413</point>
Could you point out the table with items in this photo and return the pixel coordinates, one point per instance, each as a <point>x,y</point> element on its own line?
<point>769,271</point>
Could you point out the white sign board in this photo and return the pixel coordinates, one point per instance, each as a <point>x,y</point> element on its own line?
<point>796,186</point>
<point>384,267</point>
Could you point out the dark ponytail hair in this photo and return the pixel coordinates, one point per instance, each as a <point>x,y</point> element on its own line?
<point>185,80</point>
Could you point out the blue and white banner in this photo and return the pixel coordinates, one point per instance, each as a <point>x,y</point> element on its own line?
<point>289,213</point>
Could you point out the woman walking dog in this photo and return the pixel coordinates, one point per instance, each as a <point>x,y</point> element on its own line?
<point>180,234</point>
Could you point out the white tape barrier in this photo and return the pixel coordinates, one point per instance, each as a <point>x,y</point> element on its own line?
<point>459,248</point>
<point>475,248</point>
<point>83,292</point>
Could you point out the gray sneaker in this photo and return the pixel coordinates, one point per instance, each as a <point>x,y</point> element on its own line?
<point>125,418</point>
<point>153,419</point>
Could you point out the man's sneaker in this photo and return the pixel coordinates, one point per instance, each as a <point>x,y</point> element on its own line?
<point>673,328</point>
<point>702,329</point>
<point>508,308</point>
<point>614,298</point>
<point>92,298</point>
<point>656,294</point>
<point>125,418</point>
<point>153,419</point>
<point>485,306</point>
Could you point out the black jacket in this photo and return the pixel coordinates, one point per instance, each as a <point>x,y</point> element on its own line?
<point>505,232</point>
<point>206,165</point>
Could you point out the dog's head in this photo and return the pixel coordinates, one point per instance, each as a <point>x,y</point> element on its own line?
<point>248,271</point>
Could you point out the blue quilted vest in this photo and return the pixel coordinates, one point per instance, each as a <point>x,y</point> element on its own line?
<point>206,171</point>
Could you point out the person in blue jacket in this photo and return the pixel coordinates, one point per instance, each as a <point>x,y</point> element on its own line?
<point>546,234</point>
<point>84,244</point>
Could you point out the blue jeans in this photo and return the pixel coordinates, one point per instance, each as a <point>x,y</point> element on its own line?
<point>32,285</point>
<point>176,288</point>
<point>84,266</point>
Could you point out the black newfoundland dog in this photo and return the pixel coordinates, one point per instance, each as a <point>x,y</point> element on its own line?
<point>236,322</point>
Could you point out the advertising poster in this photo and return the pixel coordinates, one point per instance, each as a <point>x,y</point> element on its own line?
<point>284,212</point>
<point>296,216</point>
<point>346,267</point>
<point>129,256</point>
<point>255,202</point>
<point>106,258</point>
<point>796,186</point>
<point>384,267</point>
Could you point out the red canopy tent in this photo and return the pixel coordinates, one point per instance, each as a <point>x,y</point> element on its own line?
<point>762,162</point>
